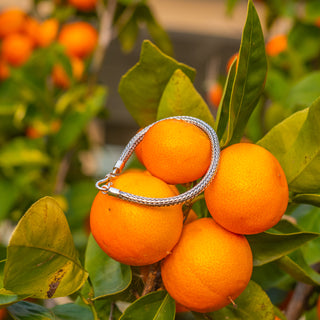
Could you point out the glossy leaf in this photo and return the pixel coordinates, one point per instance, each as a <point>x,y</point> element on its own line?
<point>296,144</point>
<point>23,152</point>
<point>107,276</point>
<point>72,311</point>
<point>296,266</point>
<point>313,199</point>
<point>249,79</point>
<point>267,247</point>
<point>180,98</point>
<point>157,305</point>
<point>223,110</point>
<point>50,266</point>
<point>25,310</point>
<point>252,304</point>
<point>142,86</point>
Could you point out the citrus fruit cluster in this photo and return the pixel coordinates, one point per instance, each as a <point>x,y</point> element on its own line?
<point>205,263</point>
<point>21,34</point>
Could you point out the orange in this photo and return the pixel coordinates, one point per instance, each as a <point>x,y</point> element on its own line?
<point>47,33</point>
<point>230,61</point>
<point>3,314</point>
<point>79,38</point>
<point>11,21</point>
<point>176,151</point>
<point>249,193</point>
<point>215,94</point>
<point>4,70</point>
<point>83,5</point>
<point>276,45</point>
<point>16,49</point>
<point>135,234</point>
<point>60,77</point>
<point>31,28</point>
<point>208,268</point>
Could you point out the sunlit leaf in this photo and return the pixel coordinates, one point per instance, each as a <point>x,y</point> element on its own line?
<point>267,247</point>
<point>76,121</point>
<point>296,266</point>
<point>180,98</point>
<point>107,276</point>
<point>142,86</point>
<point>50,266</point>
<point>25,310</point>
<point>296,144</point>
<point>23,152</point>
<point>157,305</point>
<point>252,304</point>
<point>249,79</point>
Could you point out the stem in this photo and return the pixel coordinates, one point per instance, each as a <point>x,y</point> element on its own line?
<point>299,299</point>
<point>152,279</point>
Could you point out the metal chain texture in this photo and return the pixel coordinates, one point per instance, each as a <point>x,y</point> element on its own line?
<point>105,185</point>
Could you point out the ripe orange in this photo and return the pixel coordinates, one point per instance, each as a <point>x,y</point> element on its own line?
<point>4,70</point>
<point>276,45</point>
<point>230,61</point>
<point>208,268</point>
<point>83,5</point>
<point>249,193</point>
<point>16,49</point>
<point>47,33</point>
<point>176,151</point>
<point>11,21</point>
<point>131,233</point>
<point>79,38</point>
<point>3,313</point>
<point>215,94</point>
<point>60,77</point>
<point>31,28</point>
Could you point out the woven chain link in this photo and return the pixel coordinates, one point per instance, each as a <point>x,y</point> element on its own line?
<point>105,184</point>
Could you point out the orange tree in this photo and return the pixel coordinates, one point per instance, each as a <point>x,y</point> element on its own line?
<point>274,269</point>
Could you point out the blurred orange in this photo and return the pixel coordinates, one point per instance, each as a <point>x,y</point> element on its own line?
<point>60,77</point>
<point>79,38</point>
<point>11,21</point>
<point>276,45</point>
<point>215,94</point>
<point>48,31</point>
<point>31,28</point>
<point>83,5</point>
<point>16,49</point>
<point>230,61</point>
<point>4,70</point>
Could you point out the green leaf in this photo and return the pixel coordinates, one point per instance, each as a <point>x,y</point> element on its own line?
<point>267,247</point>
<point>311,198</point>
<point>305,92</point>
<point>295,142</point>
<point>252,304</point>
<point>75,122</point>
<point>158,34</point>
<point>25,310</point>
<point>249,79</point>
<point>8,195</point>
<point>7,297</point>
<point>107,276</point>
<point>223,110</point>
<point>50,266</point>
<point>71,311</point>
<point>23,152</point>
<point>157,305</point>
<point>142,86</point>
<point>180,98</point>
<point>296,266</point>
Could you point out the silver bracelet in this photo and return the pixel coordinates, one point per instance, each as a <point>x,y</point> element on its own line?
<point>105,184</point>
